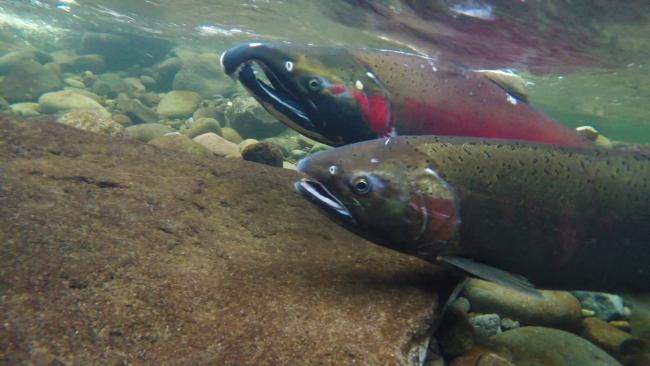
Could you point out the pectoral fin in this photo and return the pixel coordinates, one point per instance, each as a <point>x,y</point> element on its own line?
<point>592,134</point>
<point>489,273</point>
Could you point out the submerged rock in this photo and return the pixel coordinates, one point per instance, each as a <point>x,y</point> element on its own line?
<point>27,81</point>
<point>121,52</point>
<point>178,142</point>
<point>231,135</point>
<point>263,152</point>
<point>93,121</point>
<point>26,109</point>
<point>218,145</point>
<point>534,346</point>
<point>67,100</point>
<point>146,132</point>
<point>117,252</point>
<point>557,309</point>
<point>135,109</point>
<point>606,306</point>
<point>111,85</point>
<point>251,120</point>
<point>486,325</point>
<point>178,103</point>
<point>201,73</point>
<point>203,125</point>
<point>607,337</point>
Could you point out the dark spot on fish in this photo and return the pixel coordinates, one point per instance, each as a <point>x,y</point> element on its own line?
<point>487,154</point>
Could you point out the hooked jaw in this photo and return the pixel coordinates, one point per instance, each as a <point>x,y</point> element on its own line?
<point>246,61</point>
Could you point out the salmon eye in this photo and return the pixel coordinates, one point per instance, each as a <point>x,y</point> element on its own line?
<point>361,185</point>
<point>314,84</point>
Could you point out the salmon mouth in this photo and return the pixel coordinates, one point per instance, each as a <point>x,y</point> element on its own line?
<point>274,94</point>
<point>266,72</point>
<point>317,194</point>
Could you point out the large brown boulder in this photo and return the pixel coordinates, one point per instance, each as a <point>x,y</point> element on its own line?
<point>118,252</point>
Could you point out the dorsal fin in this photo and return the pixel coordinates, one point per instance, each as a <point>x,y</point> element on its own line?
<point>512,83</point>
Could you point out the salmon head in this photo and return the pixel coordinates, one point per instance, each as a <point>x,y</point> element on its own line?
<point>323,93</point>
<point>386,192</point>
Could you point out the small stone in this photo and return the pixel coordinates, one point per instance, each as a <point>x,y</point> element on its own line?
<point>289,165</point>
<point>549,347</point>
<point>74,83</point>
<point>111,85</point>
<point>264,153</point>
<point>85,93</point>
<point>218,145</point>
<point>93,121</point>
<point>507,324</point>
<point>146,132</point>
<point>67,100</point>
<point>604,335</point>
<point>486,325</point>
<point>178,104</point>
<point>246,143</point>
<point>207,112</point>
<point>203,125</point>
<point>135,109</point>
<point>122,119</point>
<point>90,62</point>
<point>231,135</point>
<point>26,109</point>
<point>179,142</point>
<point>298,154</point>
<point>147,80</point>
<point>558,309</point>
<point>623,325</point>
<point>318,147</point>
<point>136,84</point>
<point>607,306</point>
<point>587,313</point>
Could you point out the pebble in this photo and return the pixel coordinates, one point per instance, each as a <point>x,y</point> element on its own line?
<point>66,100</point>
<point>26,109</point>
<point>507,324</point>
<point>147,80</point>
<point>558,309</point>
<point>486,325</point>
<point>265,153</point>
<point>247,142</point>
<point>74,83</point>
<point>604,335</point>
<point>93,121</point>
<point>203,125</point>
<point>146,132</point>
<point>606,306</point>
<point>218,145</point>
<point>231,135</point>
<point>549,347</point>
<point>178,104</point>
